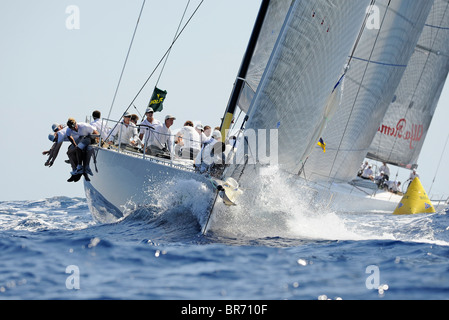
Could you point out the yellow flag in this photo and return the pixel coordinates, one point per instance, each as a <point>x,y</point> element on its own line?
<point>322,144</point>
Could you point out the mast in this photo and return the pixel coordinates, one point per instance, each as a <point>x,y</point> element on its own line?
<point>238,86</point>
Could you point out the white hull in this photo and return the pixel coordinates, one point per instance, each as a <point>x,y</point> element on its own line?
<point>347,198</point>
<point>125,182</point>
<point>344,197</point>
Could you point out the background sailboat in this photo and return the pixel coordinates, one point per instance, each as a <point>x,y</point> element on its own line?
<point>377,68</point>
<point>401,135</point>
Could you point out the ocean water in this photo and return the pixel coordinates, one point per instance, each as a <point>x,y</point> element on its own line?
<point>52,249</point>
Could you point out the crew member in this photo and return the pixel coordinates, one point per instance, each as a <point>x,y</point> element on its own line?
<point>79,134</point>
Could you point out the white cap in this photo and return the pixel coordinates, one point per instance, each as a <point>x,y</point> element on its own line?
<point>169,116</point>
<point>149,109</point>
<point>216,135</point>
<point>199,127</point>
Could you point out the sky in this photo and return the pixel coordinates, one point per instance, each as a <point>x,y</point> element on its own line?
<point>57,63</point>
<point>49,72</point>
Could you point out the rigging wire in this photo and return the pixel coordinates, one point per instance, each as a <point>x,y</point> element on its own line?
<point>176,33</point>
<point>346,69</point>
<point>439,164</point>
<point>359,37</point>
<point>366,69</point>
<point>158,64</point>
<point>165,55</point>
<point>432,45</point>
<point>126,59</point>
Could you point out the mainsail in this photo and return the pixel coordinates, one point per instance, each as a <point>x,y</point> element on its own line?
<point>377,66</point>
<point>401,135</point>
<point>307,61</point>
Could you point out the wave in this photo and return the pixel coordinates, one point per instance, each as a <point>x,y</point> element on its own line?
<point>281,215</point>
<point>61,213</point>
<point>280,207</point>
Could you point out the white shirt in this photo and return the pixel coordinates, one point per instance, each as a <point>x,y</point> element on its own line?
<point>367,173</point>
<point>393,186</point>
<point>414,175</point>
<point>385,169</point>
<point>125,133</point>
<point>62,135</point>
<point>149,133</point>
<point>191,138</point>
<point>162,137</point>
<point>84,129</point>
<point>101,127</point>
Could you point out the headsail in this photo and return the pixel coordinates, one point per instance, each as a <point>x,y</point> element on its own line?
<point>401,135</point>
<point>377,67</point>
<point>265,33</point>
<point>306,63</point>
<point>274,20</point>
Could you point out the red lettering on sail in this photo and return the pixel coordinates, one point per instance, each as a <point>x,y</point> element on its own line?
<point>401,131</point>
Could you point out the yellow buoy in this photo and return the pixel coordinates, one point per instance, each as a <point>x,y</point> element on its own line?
<point>415,200</point>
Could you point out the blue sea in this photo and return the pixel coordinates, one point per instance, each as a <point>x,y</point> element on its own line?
<point>53,249</point>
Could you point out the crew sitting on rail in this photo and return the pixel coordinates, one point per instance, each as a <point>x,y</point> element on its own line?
<point>80,135</point>
<point>58,137</point>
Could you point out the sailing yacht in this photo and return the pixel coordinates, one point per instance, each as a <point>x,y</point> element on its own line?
<point>395,117</point>
<point>326,69</point>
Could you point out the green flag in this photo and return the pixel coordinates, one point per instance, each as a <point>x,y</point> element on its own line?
<point>157,99</point>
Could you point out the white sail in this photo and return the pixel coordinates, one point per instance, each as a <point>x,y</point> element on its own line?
<point>306,63</point>
<point>376,69</point>
<point>401,135</point>
<point>269,33</point>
